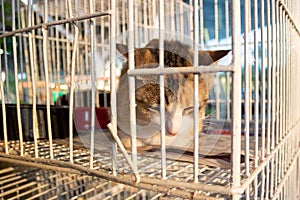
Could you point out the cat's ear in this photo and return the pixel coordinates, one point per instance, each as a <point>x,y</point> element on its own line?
<point>141,55</point>
<point>123,49</point>
<point>209,57</point>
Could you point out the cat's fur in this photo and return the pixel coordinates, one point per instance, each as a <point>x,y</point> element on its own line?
<point>178,94</point>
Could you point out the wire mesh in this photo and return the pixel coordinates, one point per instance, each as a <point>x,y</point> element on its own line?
<point>62,54</point>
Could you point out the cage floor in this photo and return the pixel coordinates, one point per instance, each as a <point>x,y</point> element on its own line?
<point>149,165</point>
<point>32,183</point>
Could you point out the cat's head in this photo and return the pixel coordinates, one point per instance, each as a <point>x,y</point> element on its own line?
<point>179,87</point>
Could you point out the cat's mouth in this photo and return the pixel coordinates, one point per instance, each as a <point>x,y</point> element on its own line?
<point>171,134</point>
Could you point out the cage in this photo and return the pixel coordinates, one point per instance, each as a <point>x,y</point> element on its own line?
<point>62,82</point>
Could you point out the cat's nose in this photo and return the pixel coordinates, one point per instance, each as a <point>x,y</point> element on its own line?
<point>169,132</point>
<point>173,123</point>
<point>172,128</point>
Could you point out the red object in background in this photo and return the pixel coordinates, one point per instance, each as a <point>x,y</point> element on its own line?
<point>103,116</point>
<point>82,118</point>
<point>220,132</point>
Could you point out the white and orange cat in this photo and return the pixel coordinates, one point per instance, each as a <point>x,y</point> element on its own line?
<point>178,94</point>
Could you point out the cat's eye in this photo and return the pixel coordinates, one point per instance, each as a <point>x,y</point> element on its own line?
<point>188,110</point>
<point>155,107</point>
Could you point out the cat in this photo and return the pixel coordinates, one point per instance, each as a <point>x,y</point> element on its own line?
<point>179,89</point>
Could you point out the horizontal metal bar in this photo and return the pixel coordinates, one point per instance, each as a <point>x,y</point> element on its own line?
<point>19,161</point>
<point>153,184</point>
<point>176,70</point>
<point>55,23</point>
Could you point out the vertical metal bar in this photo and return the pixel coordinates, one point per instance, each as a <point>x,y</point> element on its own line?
<point>26,55</point>
<point>154,14</point>
<point>86,43</point>
<point>280,71</point>
<point>274,46</point>
<point>285,84</point>
<point>5,50</point>
<point>113,97</point>
<point>21,57</point>
<point>281,77</point>
<point>150,23</point>
<point>45,55</point>
<point>236,99</point>
<point>277,72</point>
<point>201,23</point>
<point>117,21</point>
<point>263,93</point>
<point>3,107</point>
<point>298,175</point>
<point>58,63</point>
<point>284,94</point>
<point>190,18</point>
<point>277,158</point>
<point>14,43</point>
<point>289,76</point>
<point>93,86</point>
<point>276,169</point>
<point>79,95</point>
<point>33,74</point>
<point>145,20</point>
<point>269,100</point>
<point>136,23</point>
<point>131,80</point>
<point>124,20</point>
<point>73,65</point>
<point>217,78</point>
<point>228,100</point>
<point>216,18</point>
<point>38,56</point>
<point>65,53</point>
<point>162,89</point>
<point>102,30</point>
<point>67,47</point>
<point>172,17</point>
<point>247,80</point>
<point>36,63</point>
<point>52,52</point>
<point>181,29</point>
<point>284,81</point>
<point>247,69</point>
<point>196,92</point>
<point>263,79</point>
<point>288,79</point>
<point>256,92</point>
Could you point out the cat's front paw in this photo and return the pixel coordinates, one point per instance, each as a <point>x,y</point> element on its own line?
<point>126,140</point>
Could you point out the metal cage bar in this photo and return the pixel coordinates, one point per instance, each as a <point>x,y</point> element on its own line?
<point>196,92</point>
<point>236,98</point>
<point>261,92</point>
<point>162,89</point>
